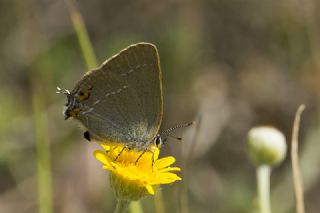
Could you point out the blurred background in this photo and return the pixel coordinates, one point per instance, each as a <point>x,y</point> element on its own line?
<point>229,65</point>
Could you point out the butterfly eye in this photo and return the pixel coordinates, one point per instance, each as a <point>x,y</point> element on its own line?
<point>158,141</point>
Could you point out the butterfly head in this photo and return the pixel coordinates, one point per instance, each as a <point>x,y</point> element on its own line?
<point>71,108</point>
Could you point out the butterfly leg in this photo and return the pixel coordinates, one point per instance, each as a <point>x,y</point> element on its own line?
<point>124,147</point>
<point>144,151</point>
<point>152,164</point>
<point>152,157</point>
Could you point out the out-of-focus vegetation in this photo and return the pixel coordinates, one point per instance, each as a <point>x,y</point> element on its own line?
<point>229,65</point>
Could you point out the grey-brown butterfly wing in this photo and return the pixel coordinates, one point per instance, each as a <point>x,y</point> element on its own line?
<point>124,101</point>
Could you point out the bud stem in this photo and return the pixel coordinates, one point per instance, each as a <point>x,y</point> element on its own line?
<point>263,181</point>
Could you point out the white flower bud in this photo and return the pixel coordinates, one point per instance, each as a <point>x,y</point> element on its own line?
<point>266,146</point>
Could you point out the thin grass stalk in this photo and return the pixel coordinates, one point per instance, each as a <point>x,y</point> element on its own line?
<point>43,154</point>
<point>158,201</point>
<point>82,35</point>
<point>187,156</point>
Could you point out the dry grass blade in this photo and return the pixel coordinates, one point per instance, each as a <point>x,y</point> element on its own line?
<point>297,179</point>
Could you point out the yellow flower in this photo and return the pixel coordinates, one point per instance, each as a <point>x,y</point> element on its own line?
<point>132,179</point>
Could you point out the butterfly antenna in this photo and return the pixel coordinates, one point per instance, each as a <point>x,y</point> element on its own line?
<point>167,132</point>
<point>177,138</point>
<point>59,91</point>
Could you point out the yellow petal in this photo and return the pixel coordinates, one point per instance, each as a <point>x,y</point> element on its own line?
<point>156,153</point>
<point>165,178</point>
<point>169,169</point>
<point>101,156</point>
<point>164,162</point>
<point>150,189</point>
<point>107,167</point>
<point>106,147</point>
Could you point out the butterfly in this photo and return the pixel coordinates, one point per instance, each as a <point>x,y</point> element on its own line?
<point>121,101</point>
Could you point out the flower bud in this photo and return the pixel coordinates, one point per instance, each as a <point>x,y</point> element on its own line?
<point>266,146</point>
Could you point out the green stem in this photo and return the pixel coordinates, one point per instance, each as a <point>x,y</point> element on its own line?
<point>122,206</point>
<point>135,207</point>
<point>43,154</point>
<point>82,34</point>
<point>158,201</point>
<point>263,181</point>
